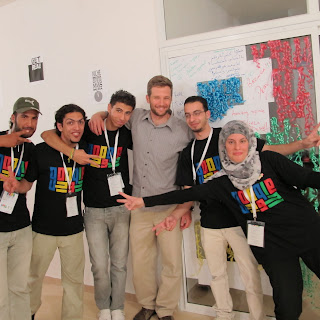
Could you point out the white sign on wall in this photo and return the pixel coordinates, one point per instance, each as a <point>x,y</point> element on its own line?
<point>256,82</point>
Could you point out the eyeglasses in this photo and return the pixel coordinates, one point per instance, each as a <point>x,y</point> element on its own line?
<point>194,114</point>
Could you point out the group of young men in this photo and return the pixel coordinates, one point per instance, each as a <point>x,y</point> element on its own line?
<point>63,169</point>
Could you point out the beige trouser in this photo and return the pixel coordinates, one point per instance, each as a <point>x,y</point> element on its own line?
<point>162,297</point>
<point>72,270</point>
<point>215,242</point>
<point>15,255</point>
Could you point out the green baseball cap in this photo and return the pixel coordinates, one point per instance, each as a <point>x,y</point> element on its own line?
<point>24,104</point>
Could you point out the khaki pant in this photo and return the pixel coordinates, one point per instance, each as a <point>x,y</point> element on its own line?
<point>146,247</point>
<point>72,270</point>
<point>215,242</point>
<point>15,255</point>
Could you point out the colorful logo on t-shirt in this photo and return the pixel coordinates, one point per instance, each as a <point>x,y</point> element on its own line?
<point>5,162</point>
<point>208,167</point>
<point>58,181</point>
<point>104,152</point>
<point>265,197</point>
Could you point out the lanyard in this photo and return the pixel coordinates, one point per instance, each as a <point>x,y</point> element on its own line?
<point>66,170</point>
<point>114,156</point>
<point>202,157</point>
<point>12,158</point>
<point>252,202</point>
<point>20,160</point>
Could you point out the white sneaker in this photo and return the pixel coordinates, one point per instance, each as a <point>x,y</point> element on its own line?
<point>104,314</point>
<point>117,314</point>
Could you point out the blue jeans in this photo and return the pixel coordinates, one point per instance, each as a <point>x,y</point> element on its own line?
<point>107,231</point>
<point>15,256</point>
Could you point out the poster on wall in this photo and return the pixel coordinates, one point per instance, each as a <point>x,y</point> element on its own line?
<point>36,69</point>
<point>233,86</point>
<point>98,86</point>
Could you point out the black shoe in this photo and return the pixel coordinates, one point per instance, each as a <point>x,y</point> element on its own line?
<point>144,314</point>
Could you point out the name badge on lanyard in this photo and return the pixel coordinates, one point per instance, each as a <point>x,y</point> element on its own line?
<point>255,229</point>
<point>255,233</point>
<point>115,181</point>
<point>72,205</point>
<point>71,198</point>
<point>8,200</point>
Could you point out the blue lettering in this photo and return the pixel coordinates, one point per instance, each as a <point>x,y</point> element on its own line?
<point>243,208</point>
<point>53,178</point>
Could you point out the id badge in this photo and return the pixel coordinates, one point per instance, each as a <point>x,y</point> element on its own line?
<point>115,183</point>
<point>8,201</point>
<point>72,205</point>
<point>255,235</point>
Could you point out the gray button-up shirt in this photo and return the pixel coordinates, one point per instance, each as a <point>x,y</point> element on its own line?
<point>155,153</point>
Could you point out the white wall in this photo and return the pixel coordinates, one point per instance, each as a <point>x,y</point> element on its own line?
<point>75,37</point>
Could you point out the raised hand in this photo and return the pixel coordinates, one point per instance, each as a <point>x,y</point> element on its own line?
<point>96,123</point>
<point>81,157</point>
<point>130,202</point>
<point>313,139</point>
<point>168,224</point>
<point>10,183</point>
<point>13,139</point>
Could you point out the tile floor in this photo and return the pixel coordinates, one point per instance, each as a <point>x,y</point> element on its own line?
<point>51,305</point>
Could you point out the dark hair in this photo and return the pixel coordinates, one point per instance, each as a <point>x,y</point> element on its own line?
<point>124,97</point>
<point>61,113</point>
<point>10,121</point>
<point>158,81</point>
<point>203,101</point>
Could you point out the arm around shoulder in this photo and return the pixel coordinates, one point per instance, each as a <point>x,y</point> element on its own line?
<point>54,141</point>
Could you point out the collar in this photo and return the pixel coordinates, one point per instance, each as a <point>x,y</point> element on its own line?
<point>169,123</point>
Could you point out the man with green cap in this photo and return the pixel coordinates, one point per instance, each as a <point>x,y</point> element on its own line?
<point>15,230</point>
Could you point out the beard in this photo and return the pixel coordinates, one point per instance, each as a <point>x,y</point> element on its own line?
<point>16,128</point>
<point>160,114</point>
<point>197,130</point>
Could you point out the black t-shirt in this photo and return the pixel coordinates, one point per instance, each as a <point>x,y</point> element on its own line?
<point>222,217</point>
<point>96,187</point>
<point>291,223</point>
<point>20,217</point>
<point>50,212</point>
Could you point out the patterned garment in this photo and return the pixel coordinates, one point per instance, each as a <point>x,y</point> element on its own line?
<point>246,173</point>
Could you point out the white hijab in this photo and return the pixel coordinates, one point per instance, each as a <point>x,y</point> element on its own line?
<point>243,174</point>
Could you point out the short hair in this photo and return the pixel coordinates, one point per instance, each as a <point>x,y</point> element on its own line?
<point>202,100</point>
<point>124,97</point>
<point>61,113</point>
<point>158,81</point>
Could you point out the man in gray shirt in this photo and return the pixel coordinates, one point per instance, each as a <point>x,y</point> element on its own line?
<point>158,138</point>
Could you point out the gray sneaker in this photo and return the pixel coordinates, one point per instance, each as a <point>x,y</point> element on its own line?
<point>144,314</point>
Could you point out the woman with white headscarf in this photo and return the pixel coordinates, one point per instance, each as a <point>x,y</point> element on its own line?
<point>262,190</point>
